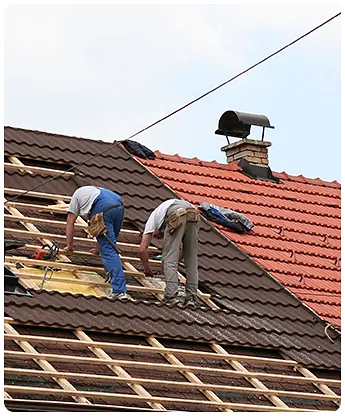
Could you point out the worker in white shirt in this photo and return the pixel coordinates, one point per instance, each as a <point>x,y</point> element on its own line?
<point>86,202</point>
<point>176,221</point>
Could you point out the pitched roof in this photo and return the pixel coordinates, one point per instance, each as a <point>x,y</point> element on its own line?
<point>256,310</point>
<point>111,370</point>
<point>231,326</point>
<point>297,232</point>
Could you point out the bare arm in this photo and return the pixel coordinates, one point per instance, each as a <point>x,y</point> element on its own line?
<point>144,257</point>
<point>70,231</point>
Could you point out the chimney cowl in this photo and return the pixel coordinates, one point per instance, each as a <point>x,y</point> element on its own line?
<point>238,124</point>
<point>251,155</point>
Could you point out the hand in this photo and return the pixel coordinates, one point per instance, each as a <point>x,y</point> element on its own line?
<point>68,248</point>
<point>94,250</point>
<point>148,272</point>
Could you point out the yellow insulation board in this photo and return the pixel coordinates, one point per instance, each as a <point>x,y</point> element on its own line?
<point>62,286</point>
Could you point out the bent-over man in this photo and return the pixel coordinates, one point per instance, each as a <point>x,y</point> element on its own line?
<point>176,221</point>
<point>88,201</point>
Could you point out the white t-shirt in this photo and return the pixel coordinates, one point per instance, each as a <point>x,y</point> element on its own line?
<point>157,216</point>
<point>82,200</point>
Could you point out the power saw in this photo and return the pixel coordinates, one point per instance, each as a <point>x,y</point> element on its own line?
<point>46,252</point>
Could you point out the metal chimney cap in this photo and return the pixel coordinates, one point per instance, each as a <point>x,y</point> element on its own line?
<point>237,124</point>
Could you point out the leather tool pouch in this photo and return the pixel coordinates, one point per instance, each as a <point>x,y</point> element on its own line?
<point>192,215</point>
<point>96,225</point>
<point>173,222</point>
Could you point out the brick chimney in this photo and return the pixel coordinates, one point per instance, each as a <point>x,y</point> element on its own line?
<point>254,151</point>
<point>238,124</point>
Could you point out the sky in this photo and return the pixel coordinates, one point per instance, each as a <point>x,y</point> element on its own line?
<point>107,71</point>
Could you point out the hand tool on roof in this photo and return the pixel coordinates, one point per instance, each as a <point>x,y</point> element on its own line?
<point>46,252</point>
<point>44,279</point>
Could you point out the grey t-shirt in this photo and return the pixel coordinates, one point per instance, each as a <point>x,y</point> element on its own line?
<point>157,216</point>
<point>82,200</point>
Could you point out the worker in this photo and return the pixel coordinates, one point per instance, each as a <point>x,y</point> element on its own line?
<point>176,221</point>
<point>86,202</point>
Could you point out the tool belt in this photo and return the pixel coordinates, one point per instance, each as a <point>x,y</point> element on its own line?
<point>173,221</point>
<point>96,224</point>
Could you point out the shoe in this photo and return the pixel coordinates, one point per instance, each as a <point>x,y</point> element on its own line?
<point>189,302</point>
<point>171,301</point>
<point>121,296</point>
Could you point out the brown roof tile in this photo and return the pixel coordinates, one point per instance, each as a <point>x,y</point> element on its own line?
<point>237,325</point>
<point>256,309</point>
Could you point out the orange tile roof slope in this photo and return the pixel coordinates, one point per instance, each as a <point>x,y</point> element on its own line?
<point>296,237</point>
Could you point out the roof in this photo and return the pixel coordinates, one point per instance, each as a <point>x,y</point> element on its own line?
<point>49,367</point>
<point>296,237</point>
<point>231,326</point>
<point>254,302</point>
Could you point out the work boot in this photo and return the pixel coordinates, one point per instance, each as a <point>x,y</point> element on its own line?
<point>190,301</point>
<point>171,301</point>
<point>121,296</point>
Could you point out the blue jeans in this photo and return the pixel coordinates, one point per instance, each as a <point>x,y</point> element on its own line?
<point>113,220</point>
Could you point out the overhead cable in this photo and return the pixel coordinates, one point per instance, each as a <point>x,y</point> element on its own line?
<point>179,109</point>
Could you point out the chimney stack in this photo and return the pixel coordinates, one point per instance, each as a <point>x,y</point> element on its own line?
<point>254,151</point>
<point>238,124</point>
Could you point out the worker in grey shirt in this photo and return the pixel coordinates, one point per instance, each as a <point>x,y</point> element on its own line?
<point>82,200</point>
<point>186,235</point>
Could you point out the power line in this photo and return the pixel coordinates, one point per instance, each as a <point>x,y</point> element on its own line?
<point>179,109</point>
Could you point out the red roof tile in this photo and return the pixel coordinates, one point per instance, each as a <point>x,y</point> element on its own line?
<point>255,309</point>
<point>296,237</point>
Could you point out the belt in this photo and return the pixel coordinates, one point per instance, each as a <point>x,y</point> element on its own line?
<point>112,206</point>
<point>106,209</point>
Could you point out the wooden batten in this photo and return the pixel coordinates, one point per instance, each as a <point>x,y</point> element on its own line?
<point>31,169</point>
<point>65,369</point>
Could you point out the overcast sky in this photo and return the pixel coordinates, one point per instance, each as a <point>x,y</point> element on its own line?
<point>107,71</point>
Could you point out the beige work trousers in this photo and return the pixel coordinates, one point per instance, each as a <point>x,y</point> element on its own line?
<point>187,237</point>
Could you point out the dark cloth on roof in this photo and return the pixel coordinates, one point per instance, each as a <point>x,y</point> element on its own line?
<point>138,149</point>
<point>237,222</point>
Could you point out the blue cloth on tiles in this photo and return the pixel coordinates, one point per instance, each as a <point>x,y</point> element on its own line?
<point>237,222</point>
<point>113,219</point>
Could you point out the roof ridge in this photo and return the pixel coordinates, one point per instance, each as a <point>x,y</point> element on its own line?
<point>219,165</point>
<point>54,134</point>
<point>177,157</point>
<point>245,179</point>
